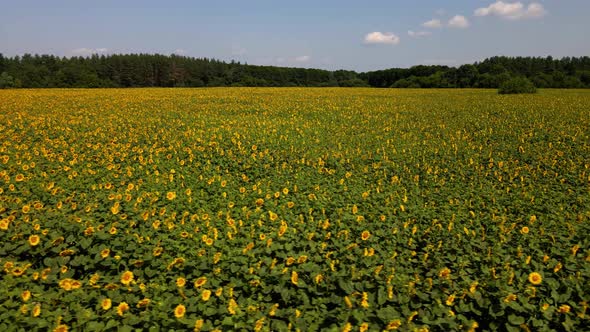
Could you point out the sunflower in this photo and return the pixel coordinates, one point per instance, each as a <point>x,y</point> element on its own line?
<point>171,195</point>
<point>365,300</point>
<point>450,300</point>
<point>34,240</point>
<point>394,325</point>
<point>19,178</point>
<point>273,216</point>
<point>26,295</point>
<point>199,325</point>
<point>4,224</point>
<point>105,253</point>
<point>180,282</point>
<point>121,308</point>
<point>26,209</point>
<point>179,311</point>
<point>61,328</point>
<point>206,295</point>
<point>535,278</point>
<point>444,273</point>
<point>200,282</point>
<point>524,230</point>
<point>294,277</point>
<point>564,309</point>
<point>347,327</point>
<point>365,235</point>
<point>510,298</point>
<point>364,327</point>
<point>232,307</point>
<point>127,278</point>
<point>143,303</point>
<point>259,324</point>
<point>106,304</point>
<point>37,310</point>
<point>66,284</point>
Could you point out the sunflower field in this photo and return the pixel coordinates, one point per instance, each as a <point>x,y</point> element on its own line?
<point>301,209</point>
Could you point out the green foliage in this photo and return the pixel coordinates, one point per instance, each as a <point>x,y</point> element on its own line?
<point>517,85</point>
<point>6,81</point>
<point>145,70</point>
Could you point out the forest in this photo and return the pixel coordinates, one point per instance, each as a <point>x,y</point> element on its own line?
<point>156,70</point>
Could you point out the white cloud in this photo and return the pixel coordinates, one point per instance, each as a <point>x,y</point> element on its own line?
<point>302,58</point>
<point>419,33</point>
<point>512,10</point>
<point>179,51</point>
<point>88,51</point>
<point>434,23</point>
<point>535,10</point>
<point>382,38</point>
<point>459,21</point>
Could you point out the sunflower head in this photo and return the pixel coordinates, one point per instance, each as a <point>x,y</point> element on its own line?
<point>127,278</point>
<point>179,311</point>
<point>535,278</point>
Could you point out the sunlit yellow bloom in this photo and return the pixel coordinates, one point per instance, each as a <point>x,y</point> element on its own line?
<point>26,295</point>
<point>34,240</point>
<point>394,325</point>
<point>198,325</point>
<point>444,273</point>
<point>106,304</point>
<point>564,309</point>
<point>364,327</point>
<point>347,327</point>
<point>61,328</point>
<point>179,311</point>
<point>170,195</point>
<point>365,300</point>
<point>294,277</point>
<point>232,307</point>
<point>121,308</point>
<point>105,253</point>
<point>180,282</point>
<point>200,282</point>
<point>205,295</point>
<point>37,310</point>
<point>365,235</point>
<point>143,303</point>
<point>127,278</point>
<point>510,298</point>
<point>450,300</point>
<point>535,278</point>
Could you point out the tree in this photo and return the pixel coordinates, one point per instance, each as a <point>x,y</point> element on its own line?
<point>6,81</point>
<point>517,85</point>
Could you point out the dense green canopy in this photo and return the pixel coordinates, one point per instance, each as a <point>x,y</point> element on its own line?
<point>148,70</point>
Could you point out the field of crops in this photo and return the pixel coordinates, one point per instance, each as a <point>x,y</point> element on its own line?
<point>310,209</point>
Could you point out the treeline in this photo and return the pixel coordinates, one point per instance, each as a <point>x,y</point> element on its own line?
<point>154,70</point>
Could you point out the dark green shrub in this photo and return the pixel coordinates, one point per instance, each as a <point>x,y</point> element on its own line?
<point>517,85</point>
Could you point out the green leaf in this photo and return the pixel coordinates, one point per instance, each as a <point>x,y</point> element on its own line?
<point>515,320</point>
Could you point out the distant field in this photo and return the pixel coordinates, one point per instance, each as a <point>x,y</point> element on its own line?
<point>276,208</point>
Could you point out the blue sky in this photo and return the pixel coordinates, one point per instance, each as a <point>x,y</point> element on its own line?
<point>344,34</point>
